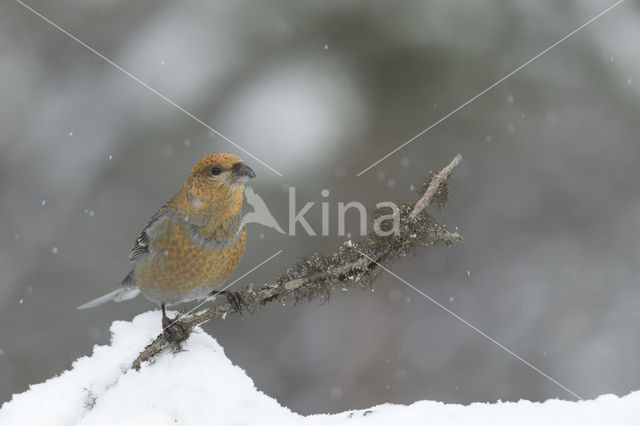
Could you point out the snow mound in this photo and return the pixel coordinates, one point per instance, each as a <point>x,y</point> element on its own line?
<point>200,385</point>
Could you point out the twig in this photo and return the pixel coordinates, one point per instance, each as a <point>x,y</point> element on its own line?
<point>319,276</point>
<point>434,185</point>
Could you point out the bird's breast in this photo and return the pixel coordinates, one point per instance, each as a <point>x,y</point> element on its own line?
<point>184,265</point>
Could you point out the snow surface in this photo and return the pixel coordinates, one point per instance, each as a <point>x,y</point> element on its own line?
<point>201,386</point>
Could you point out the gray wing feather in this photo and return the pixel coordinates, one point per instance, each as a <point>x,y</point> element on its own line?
<point>141,246</point>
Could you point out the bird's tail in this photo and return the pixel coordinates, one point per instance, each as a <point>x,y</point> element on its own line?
<point>125,291</point>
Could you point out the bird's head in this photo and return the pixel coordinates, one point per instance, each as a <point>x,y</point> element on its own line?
<point>219,171</point>
<point>216,185</point>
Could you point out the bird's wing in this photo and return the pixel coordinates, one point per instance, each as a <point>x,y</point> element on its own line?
<point>141,246</point>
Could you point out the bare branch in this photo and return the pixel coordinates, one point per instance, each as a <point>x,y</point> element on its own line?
<point>319,276</point>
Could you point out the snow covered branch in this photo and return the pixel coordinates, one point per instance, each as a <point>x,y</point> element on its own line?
<point>317,276</point>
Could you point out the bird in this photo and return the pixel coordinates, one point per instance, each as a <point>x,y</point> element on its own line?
<point>193,242</point>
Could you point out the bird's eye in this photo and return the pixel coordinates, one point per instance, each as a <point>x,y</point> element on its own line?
<point>215,171</point>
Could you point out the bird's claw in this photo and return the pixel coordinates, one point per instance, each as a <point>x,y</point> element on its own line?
<point>236,300</point>
<point>173,330</point>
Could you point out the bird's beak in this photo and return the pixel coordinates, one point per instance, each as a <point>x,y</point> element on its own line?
<point>241,170</point>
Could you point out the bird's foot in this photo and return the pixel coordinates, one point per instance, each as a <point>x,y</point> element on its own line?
<point>235,300</point>
<point>173,330</point>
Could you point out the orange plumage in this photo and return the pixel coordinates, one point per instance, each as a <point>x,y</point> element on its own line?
<point>192,243</point>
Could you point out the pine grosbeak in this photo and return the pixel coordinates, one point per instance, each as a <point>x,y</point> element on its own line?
<point>192,243</point>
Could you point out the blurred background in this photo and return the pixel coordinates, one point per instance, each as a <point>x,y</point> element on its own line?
<point>546,197</point>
